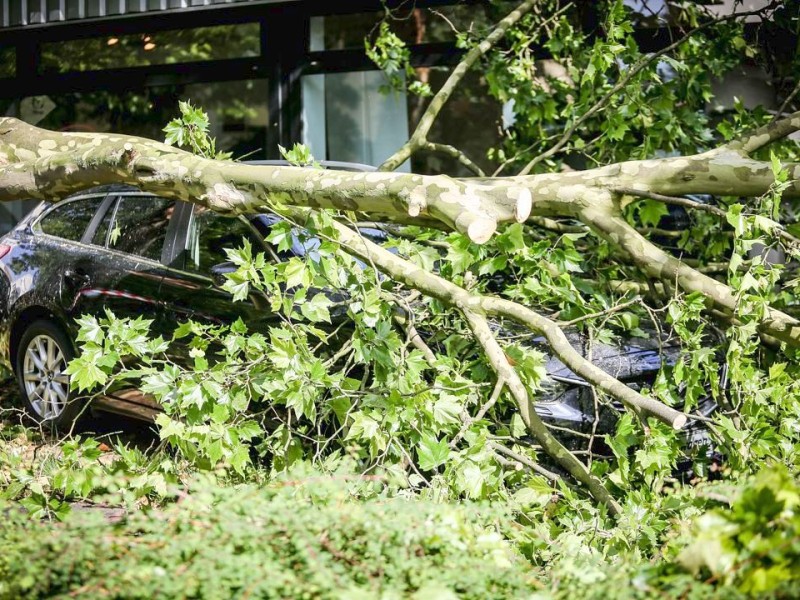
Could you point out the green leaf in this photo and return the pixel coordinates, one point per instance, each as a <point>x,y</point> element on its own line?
<point>297,273</point>
<point>432,453</point>
<point>299,155</point>
<point>240,458</point>
<point>778,172</point>
<point>651,211</point>
<point>447,410</point>
<point>249,430</point>
<point>159,383</point>
<point>90,330</point>
<point>316,310</point>
<point>363,427</point>
<point>473,480</point>
<point>169,428</point>
<point>84,372</point>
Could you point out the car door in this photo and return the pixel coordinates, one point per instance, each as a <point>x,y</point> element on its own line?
<point>60,260</point>
<point>192,288</point>
<point>126,268</point>
<point>128,240</point>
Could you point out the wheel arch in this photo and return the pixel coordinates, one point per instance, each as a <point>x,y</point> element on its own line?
<point>24,319</point>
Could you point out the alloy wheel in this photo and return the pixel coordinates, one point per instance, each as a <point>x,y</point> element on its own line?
<point>46,384</point>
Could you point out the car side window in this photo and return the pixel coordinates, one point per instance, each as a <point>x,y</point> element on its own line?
<point>210,234</point>
<point>140,225</point>
<point>70,219</point>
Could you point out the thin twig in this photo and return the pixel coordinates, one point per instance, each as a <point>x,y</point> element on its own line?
<point>454,152</point>
<point>601,313</point>
<point>557,226</point>
<point>524,460</point>
<point>788,101</point>
<point>480,414</point>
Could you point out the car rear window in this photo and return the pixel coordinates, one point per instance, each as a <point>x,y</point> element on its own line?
<point>210,234</point>
<point>140,225</point>
<point>70,219</point>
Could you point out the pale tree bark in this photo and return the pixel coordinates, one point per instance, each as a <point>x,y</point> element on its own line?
<point>36,163</point>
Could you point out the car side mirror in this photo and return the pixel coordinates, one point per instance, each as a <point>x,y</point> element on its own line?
<point>219,271</point>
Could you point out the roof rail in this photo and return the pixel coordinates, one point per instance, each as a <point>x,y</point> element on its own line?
<point>328,164</point>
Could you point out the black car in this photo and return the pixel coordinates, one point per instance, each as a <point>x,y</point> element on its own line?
<point>138,254</point>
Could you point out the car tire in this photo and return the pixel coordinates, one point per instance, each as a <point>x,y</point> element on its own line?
<point>43,353</point>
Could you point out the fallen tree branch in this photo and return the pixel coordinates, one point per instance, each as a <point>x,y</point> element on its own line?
<point>35,163</point>
<point>560,345</point>
<point>555,449</point>
<point>655,262</point>
<point>763,136</point>
<point>524,460</point>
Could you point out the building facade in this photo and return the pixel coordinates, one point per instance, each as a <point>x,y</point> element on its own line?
<point>268,72</point>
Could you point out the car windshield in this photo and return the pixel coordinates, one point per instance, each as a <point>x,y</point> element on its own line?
<point>304,244</point>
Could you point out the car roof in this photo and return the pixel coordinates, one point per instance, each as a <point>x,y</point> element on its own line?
<point>328,164</point>
<point>106,189</point>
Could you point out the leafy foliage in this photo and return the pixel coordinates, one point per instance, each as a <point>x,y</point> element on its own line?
<point>190,131</point>
<point>392,56</point>
<point>658,105</point>
<point>45,477</point>
<point>299,155</point>
<point>334,383</point>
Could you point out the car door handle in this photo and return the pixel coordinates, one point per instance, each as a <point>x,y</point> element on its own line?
<point>77,277</point>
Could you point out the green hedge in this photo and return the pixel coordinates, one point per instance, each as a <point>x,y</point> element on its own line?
<point>311,540</point>
<point>321,537</point>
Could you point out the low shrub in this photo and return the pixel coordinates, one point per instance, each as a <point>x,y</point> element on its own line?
<point>307,538</point>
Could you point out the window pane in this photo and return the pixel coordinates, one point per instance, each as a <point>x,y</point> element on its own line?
<point>70,220</point>
<point>237,111</point>
<point>470,103</point>
<point>346,117</point>
<point>210,234</point>
<point>140,225</point>
<point>8,62</point>
<point>55,12</point>
<point>413,26</point>
<point>362,124</point>
<point>163,47</point>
